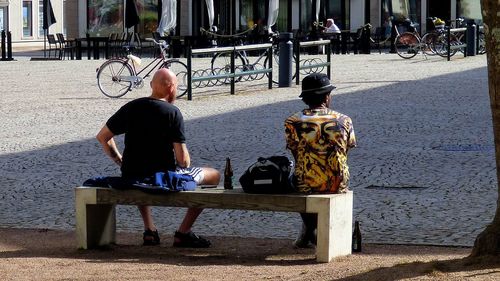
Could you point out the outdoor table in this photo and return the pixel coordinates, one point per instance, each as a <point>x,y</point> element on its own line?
<point>78,48</point>
<point>345,36</point>
<point>93,46</point>
<point>335,41</point>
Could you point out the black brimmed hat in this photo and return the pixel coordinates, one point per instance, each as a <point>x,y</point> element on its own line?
<point>316,84</point>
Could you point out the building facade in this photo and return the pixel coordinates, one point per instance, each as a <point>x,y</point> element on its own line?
<point>24,19</point>
<point>76,18</point>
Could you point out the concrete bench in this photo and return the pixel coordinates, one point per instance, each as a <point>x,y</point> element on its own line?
<point>96,216</point>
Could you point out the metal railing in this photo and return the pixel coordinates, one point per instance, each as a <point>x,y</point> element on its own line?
<point>314,64</point>
<point>221,76</point>
<point>456,46</point>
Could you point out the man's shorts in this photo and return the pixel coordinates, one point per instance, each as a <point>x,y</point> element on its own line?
<point>195,172</point>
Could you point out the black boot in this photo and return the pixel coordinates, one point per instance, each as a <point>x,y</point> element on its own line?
<point>307,235</point>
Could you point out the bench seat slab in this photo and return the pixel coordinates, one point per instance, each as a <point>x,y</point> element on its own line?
<point>96,214</point>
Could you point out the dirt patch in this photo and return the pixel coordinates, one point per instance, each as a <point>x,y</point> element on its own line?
<point>41,254</point>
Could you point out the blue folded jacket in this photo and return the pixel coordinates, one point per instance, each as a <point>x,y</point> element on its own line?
<point>159,182</point>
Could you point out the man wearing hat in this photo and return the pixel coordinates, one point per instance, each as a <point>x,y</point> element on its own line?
<point>319,139</point>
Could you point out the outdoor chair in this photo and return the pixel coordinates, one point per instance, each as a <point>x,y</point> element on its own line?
<point>126,42</point>
<point>117,45</point>
<point>136,43</point>
<point>53,45</point>
<point>354,39</point>
<point>113,44</point>
<point>148,48</point>
<point>66,47</point>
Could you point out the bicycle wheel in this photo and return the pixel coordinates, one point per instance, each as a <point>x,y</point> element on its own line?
<point>221,64</point>
<point>180,70</point>
<point>114,78</point>
<point>481,49</point>
<point>428,43</point>
<point>461,41</point>
<point>407,45</point>
<point>276,63</point>
<point>441,45</point>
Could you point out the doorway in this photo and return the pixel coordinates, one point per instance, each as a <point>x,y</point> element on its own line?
<point>440,9</point>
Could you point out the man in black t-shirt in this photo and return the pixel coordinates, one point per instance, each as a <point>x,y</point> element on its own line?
<point>155,142</point>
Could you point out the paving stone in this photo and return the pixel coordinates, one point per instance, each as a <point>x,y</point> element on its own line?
<point>402,110</point>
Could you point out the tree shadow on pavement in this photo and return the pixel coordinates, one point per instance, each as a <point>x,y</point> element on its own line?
<point>453,269</point>
<point>37,185</point>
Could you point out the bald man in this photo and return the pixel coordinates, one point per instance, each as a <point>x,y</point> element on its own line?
<point>155,142</point>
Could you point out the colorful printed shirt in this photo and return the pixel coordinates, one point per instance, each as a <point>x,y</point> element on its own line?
<point>319,140</point>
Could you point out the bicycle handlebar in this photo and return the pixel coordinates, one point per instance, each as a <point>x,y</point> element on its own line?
<point>160,43</point>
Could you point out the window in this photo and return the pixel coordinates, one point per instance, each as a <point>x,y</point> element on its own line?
<point>401,10</point>
<point>105,17</point>
<point>65,20</point>
<point>148,16</point>
<point>339,12</point>
<point>40,19</point>
<point>282,22</point>
<point>27,19</point>
<point>3,19</point>
<point>253,12</point>
<point>306,15</point>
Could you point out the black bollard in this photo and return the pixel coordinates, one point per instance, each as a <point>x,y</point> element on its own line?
<point>9,46</point>
<point>471,37</point>
<point>4,57</point>
<point>285,59</point>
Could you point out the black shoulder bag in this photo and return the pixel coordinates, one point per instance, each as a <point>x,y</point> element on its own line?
<point>268,175</point>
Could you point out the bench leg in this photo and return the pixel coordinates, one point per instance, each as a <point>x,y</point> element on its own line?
<point>334,237</point>
<point>95,223</point>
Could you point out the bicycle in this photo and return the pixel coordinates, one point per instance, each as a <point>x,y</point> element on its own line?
<point>117,76</point>
<point>221,62</point>
<point>409,43</point>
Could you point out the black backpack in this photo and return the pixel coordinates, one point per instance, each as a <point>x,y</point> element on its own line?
<point>268,175</point>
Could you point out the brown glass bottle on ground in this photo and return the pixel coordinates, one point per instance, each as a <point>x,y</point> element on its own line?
<point>228,175</point>
<point>356,238</point>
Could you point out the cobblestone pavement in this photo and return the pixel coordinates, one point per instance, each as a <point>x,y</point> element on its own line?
<point>423,171</point>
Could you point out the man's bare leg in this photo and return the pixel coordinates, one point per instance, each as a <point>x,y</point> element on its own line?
<point>147,218</point>
<point>150,235</point>
<point>211,177</point>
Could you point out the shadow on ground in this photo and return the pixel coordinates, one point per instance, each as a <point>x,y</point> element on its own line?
<point>37,186</point>
<point>465,267</point>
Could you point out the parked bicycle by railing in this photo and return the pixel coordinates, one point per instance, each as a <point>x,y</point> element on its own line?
<point>409,43</point>
<point>117,76</point>
<point>221,62</point>
<point>481,43</point>
<point>438,41</point>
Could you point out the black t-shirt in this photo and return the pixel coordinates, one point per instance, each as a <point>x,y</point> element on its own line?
<point>151,127</point>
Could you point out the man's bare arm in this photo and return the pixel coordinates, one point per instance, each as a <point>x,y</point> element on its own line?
<point>182,155</point>
<point>105,138</point>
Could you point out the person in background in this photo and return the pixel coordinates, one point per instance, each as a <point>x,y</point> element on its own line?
<point>387,27</point>
<point>331,27</point>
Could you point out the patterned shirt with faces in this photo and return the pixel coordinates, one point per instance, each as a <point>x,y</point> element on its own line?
<point>319,140</point>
